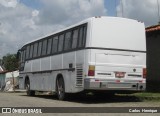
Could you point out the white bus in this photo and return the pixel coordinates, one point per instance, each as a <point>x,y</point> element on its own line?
<point>98,54</point>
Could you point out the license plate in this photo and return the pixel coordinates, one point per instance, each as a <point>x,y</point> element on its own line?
<point>120,74</point>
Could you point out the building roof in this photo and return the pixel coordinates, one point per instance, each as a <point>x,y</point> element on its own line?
<point>153,28</point>
<point>3,72</point>
<point>1,69</point>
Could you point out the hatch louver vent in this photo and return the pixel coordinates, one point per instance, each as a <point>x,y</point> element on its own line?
<point>79,75</point>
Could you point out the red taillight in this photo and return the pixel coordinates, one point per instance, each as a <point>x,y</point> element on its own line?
<point>118,81</point>
<point>91,71</point>
<point>144,72</point>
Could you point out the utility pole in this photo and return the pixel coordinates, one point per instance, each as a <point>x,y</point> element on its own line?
<point>116,12</point>
<point>158,12</point>
<point>121,3</point>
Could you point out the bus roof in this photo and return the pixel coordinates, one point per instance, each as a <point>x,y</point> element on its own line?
<point>82,22</point>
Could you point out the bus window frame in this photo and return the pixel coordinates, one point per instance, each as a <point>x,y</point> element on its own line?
<point>58,34</point>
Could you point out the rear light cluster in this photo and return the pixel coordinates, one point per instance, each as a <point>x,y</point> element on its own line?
<point>144,72</point>
<point>91,70</point>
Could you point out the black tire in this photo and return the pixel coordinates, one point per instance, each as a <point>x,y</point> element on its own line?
<point>60,89</point>
<point>28,91</point>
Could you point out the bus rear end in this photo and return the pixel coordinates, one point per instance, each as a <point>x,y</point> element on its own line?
<point>117,56</point>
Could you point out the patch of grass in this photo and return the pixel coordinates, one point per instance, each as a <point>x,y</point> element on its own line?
<point>145,96</point>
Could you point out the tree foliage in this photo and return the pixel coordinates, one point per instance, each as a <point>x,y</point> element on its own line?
<point>0,61</point>
<point>10,62</point>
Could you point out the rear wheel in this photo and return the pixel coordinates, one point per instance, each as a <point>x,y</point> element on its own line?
<point>28,91</point>
<point>60,89</point>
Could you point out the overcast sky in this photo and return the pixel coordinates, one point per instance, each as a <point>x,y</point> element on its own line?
<point>25,20</point>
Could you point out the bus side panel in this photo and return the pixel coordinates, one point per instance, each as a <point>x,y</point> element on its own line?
<point>36,77</point>
<point>57,62</point>
<point>22,81</point>
<point>36,65</point>
<point>46,63</point>
<point>74,78</point>
<point>28,66</point>
<point>36,81</point>
<point>69,75</point>
<point>27,69</point>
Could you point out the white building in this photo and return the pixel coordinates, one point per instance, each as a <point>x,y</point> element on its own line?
<point>8,79</point>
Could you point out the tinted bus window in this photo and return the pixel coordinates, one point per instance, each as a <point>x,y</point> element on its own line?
<point>80,42</point>
<point>49,46</point>
<point>60,43</point>
<point>68,41</point>
<point>84,35</point>
<point>75,38</point>
<point>22,54</point>
<point>35,50</point>
<point>27,53</point>
<point>44,47</point>
<point>54,44</point>
<point>39,48</point>
<point>31,52</point>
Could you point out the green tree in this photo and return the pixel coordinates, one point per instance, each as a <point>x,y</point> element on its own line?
<point>10,62</point>
<point>0,61</point>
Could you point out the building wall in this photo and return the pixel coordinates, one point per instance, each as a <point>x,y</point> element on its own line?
<point>9,77</point>
<point>153,61</point>
<point>2,80</point>
<point>12,74</point>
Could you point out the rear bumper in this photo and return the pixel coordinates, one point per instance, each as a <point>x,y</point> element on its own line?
<point>90,84</point>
